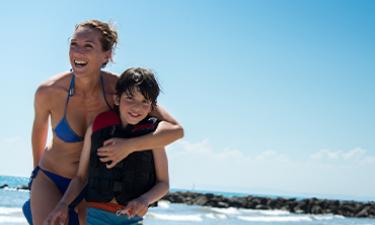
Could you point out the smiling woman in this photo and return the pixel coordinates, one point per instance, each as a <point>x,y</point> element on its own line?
<point>92,42</point>
<point>72,100</point>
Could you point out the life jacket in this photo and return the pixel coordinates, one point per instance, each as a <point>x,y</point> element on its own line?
<point>131,177</point>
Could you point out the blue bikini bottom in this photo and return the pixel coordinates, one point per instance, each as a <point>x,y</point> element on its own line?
<point>62,184</point>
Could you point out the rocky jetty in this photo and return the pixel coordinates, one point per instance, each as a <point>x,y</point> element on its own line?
<point>19,187</point>
<point>22,187</point>
<point>307,206</point>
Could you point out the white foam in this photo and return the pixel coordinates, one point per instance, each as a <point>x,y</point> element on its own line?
<point>228,211</point>
<point>14,189</point>
<point>7,211</point>
<point>275,218</point>
<point>164,204</point>
<point>274,212</point>
<point>176,217</point>
<point>12,219</point>
<point>327,217</point>
<point>216,216</point>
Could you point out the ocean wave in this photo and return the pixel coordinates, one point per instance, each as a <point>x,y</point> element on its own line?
<point>235,211</point>
<point>275,218</point>
<point>7,211</point>
<point>227,211</point>
<point>273,212</point>
<point>14,189</point>
<point>12,219</point>
<point>175,217</point>
<point>164,204</point>
<point>327,217</point>
<point>216,216</point>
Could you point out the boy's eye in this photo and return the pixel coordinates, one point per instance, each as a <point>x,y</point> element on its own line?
<point>145,102</point>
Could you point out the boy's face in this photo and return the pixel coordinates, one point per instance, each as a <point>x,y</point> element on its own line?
<point>133,108</point>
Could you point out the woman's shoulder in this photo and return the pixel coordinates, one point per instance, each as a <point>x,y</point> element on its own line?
<point>55,84</point>
<point>111,77</point>
<point>110,80</point>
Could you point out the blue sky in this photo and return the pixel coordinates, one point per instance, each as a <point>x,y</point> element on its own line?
<point>276,97</point>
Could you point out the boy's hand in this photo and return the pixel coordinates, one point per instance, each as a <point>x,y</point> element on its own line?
<point>113,151</point>
<point>136,207</point>
<point>58,216</point>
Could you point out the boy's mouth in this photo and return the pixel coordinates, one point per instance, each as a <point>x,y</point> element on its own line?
<point>134,114</point>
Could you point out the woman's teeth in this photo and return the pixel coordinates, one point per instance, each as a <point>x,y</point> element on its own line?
<point>80,62</point>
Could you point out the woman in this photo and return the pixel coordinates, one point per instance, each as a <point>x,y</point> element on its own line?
<point>72,100</point>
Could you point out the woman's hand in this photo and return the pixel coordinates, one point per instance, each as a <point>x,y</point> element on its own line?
<point>136,207</point>
<point>58,216</point>
<point>113,151</point>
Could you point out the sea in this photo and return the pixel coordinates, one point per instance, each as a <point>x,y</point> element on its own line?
<point>166,213</point>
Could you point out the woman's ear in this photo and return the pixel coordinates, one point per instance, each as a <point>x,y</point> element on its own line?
<point>108,55</point>
<point>107,58</point>
<point>116,99</point>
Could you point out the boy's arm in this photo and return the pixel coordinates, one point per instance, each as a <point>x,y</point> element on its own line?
<point>162,177</point>
<point>140,205</point>
<point>60,213</point>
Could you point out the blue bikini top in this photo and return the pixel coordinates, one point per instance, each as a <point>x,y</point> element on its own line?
<point>63,129</point>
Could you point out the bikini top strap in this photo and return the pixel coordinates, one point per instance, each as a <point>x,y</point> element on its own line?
<point>70,93</point>
<point>103,90</point>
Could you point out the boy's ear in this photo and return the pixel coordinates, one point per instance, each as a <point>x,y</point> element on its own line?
<point>152,109</point>
<point>116,99</point>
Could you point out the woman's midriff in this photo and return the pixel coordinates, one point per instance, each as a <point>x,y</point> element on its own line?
<point>62,159</point>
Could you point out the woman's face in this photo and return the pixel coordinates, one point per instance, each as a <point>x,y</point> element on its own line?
<point>86,54</point>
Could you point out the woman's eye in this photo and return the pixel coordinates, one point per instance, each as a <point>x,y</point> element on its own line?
<point>73,44</point>
<point>88,46</point>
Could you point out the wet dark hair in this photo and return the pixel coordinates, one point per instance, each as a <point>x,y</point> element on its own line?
<point>109,34</point>
<point>140,79</point>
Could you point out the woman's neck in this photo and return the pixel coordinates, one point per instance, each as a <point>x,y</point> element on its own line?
<point>88,85</point>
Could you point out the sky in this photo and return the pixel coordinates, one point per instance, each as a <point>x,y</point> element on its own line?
<point>276,97</point>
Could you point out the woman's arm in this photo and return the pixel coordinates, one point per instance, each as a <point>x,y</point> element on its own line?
<point>40,124</point>
<point>140,205</point>
<point>116,149</point>
<point>168,131</point>
<point>60,213</point>
<point>160,113</point>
